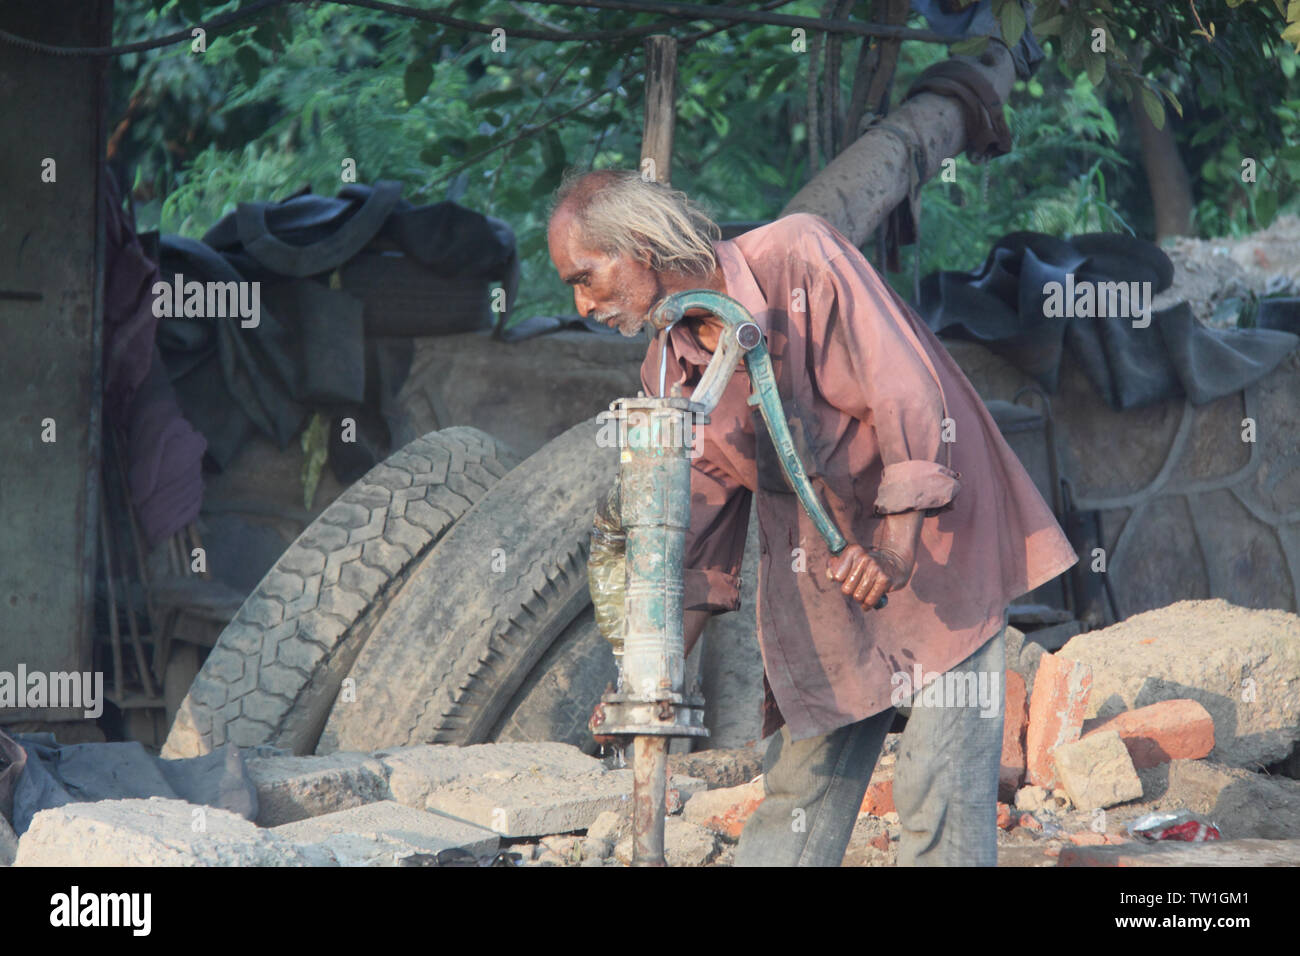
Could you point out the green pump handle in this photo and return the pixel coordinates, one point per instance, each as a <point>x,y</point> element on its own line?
<point>742,336</point>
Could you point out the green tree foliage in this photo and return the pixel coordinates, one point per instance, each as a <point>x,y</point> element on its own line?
<point>278,103</point>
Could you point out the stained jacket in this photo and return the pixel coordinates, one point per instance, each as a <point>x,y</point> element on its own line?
<point>885,422</point>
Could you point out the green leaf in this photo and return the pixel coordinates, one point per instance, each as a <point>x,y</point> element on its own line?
<point>1265,207</point>
<point>1072,39</point>
<point>496,97</point>
<point>972,46</point>
<point>416,80</point>
<point>1290,152</point>
<point>1173,101</point>
<point>1050,26</point>
<point>267,34</point>
<point>548,181</point>
<point>597,120</point>
<point>552,148</point>
<point>1096,68</point>
<point>1207,133</point>
<point>1292,35</point>
<point>249,63</point>
<point>1013,23</point>
<point>1155,109</point>
<point>315,445</point>
<point>776,75</point>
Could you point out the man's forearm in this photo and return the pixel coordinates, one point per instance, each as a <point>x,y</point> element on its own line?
<point>900,534</point>
<point>693,624</point>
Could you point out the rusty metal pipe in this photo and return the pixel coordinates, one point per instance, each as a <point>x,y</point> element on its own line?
<point>649,799</point>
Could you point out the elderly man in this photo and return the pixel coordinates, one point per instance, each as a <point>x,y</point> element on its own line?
<point>937,508</point>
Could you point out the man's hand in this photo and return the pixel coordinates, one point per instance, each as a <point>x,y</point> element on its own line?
<point>867,575</point>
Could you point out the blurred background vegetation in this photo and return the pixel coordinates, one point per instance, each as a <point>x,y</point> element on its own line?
<point>278,103</point>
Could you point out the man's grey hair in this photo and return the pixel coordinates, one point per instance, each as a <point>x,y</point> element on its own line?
<point>618,212</point>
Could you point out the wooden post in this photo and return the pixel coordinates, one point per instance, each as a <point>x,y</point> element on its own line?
<point>660,108</point>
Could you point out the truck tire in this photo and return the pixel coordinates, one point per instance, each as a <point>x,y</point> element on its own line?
<point>277,667</point>
<point>557,697</point>
<point>471,623</point>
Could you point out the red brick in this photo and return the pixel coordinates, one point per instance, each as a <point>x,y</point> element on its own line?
<point>879,798</point>
<point>880,842</point>
<point>1004,817</point>
<point>1087,837</point>
<point>1056,709</point>
<point>725,810</point>
<point>1159,733</point>
<point>1012,773</point>
<point>1029,822</point>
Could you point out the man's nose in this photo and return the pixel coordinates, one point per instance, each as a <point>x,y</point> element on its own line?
<point>583,302</point>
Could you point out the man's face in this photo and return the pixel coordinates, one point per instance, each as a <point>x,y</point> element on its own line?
<point>617,291</point>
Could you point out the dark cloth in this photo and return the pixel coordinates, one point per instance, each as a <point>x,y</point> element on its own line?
<point>44,774</point>
<point>129,322</point>
<point>309,349</point>
<point>164,458</point>
<point>1002,305</point>
<point>952,19</point>
<point>164,454</point>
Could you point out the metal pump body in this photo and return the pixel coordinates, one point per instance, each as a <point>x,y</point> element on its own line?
<point>651,704</point>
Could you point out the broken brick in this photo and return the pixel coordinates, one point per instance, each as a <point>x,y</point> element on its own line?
<point>879,798</point>
<point>725,811</point>
<point>1056,710</point>
<point>1156,734</point>
<point>1012,771</point>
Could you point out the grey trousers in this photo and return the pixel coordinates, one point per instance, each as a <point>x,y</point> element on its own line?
<point>945,781</point>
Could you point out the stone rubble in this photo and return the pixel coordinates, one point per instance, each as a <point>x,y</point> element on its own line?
<point>1111,726</point>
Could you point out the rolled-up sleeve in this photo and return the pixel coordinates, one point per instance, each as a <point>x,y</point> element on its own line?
<point>913,485</point>
<point>870,367</point>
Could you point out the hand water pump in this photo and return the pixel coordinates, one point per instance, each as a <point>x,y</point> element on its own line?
<point>651,703</point>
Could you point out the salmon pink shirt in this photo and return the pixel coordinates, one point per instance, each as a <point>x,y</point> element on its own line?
<point>885,422</point>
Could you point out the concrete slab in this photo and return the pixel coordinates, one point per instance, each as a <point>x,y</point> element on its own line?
<point>153,832</point>
<point>296,788</point>
<point>515,789</point>
<point>381,834</point>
